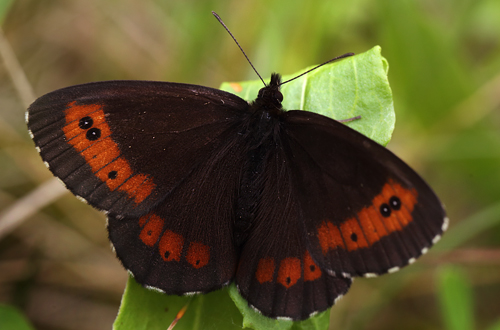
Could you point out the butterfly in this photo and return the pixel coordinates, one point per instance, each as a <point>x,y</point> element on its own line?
<point>202,188</point>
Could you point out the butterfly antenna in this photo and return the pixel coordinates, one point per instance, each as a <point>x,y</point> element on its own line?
<point>333,59</point>
<point>225,27</point>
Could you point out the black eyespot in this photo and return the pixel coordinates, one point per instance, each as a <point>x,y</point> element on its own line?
<point>385,210</point>
<point>93,134</point>
<point>395,203</point>
<point>167,254</point>
<point>85,123</point>
<point>288,280</point>
<point>112,175</point>
<point>312,268</point>
<point>197,262</point>
<point>354,237</point>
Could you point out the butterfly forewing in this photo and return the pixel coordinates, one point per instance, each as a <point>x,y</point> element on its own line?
<point>124,145</point>
<point>365,211</point>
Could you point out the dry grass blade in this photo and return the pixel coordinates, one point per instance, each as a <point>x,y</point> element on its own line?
<point>29,205</point>
<point>16,72</point>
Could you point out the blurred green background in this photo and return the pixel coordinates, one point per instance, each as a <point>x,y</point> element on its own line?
<point>56,266</point>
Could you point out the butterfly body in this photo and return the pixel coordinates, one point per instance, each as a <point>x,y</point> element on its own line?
<point>202,188</point>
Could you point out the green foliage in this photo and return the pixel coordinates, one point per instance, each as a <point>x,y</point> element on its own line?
<point>254,320</point>
<point>143,309</point>
<point>495,326</point>
<point>485,220</point>
<point>354,86</point>
<point>4,8</point>
<point>455,296</point>
<point>456,299</point>
<point>13,319</point>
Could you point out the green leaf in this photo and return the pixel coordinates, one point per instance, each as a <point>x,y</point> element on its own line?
<point>4,9</point>
<point>495,326</point>
<point>13,319</point>
<point>143,309</point>
<point>455,296</point>
<point>355,86</point>
<point>470,227</point>
<point>255,320</point>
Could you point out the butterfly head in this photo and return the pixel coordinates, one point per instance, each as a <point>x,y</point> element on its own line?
<point>270,97</point>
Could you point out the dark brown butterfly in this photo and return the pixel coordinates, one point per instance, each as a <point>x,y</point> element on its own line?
<point>202,188</point>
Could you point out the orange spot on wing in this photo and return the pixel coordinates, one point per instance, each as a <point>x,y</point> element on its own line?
<point>72,129</point>
<point>404,216</point>
<point>171,246</point>
<point>289,272</point>
<point>329,236</point>
<point>144,190</point>
<point>391,222</point>
<point>372,225</point>
<point>143,220</point>
<point>100,153</point>
<point>311,270</point>
<point>198,254</point>
<point>138,187</point>
<point>103,154</point>
<point>78,141</point>
<point>122,169</point>
<point>353,235</point>
<point>151,231</point>
<point>75,112</point>
<point>408,199</point>
<point>265,270</point>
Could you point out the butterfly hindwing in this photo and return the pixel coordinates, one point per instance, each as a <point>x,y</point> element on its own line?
<point>124,145</point>
<point>365,211</point>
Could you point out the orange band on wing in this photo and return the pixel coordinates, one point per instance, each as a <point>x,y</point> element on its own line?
<point>88,132</point>
<point>198,254</point>
<point>390,212</point>
<point>265,270</point>
<point>151,230</point>
<point>171,244</point>
<point>329,236</point>
<point>353,235</point>
<point>372,225</point>
<point>311,270</point>
<point>122,169</point>
<point>289,272</point>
